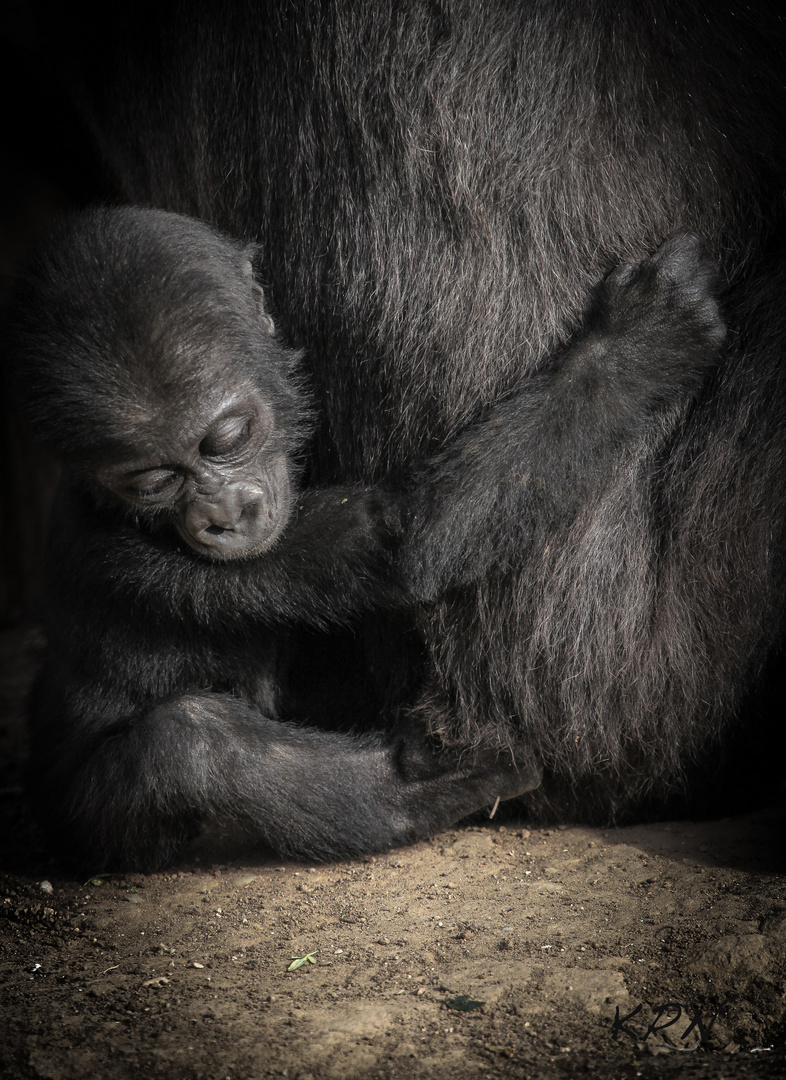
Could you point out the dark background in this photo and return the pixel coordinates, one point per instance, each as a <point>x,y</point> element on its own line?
<point>48,167</point>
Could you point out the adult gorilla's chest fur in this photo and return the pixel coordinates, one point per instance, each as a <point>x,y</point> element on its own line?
<point>435,211</point>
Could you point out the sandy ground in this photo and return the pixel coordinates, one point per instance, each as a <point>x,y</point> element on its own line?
<point>492,951</point>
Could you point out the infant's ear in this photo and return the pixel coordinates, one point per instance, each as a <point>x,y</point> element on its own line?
<point>264,315</point>
<point>259,296</point>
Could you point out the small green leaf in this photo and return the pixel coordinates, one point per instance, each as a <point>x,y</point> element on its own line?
<point>99,879</point>
<point>464,1003</point>
<point>299,961</point>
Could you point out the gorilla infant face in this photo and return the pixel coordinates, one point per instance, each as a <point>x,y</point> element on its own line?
<point>213,470</point>
<point>152,368</point>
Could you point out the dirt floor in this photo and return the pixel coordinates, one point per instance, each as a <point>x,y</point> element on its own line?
<point>492,951</point>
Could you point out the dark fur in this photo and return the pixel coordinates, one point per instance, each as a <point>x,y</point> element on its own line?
<point>436,193</point>
<point>159,702</point>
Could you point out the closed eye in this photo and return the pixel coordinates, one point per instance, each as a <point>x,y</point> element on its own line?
<point>151,485</point>
<point>226,437</point>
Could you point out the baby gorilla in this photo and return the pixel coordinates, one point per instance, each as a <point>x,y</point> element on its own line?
<point>172,392</point>
<point>181,548</point>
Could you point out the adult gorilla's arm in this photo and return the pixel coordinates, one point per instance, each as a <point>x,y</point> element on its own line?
<point>654,333</point>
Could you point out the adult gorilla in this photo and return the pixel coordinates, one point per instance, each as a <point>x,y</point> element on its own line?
<point>437,191</point>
